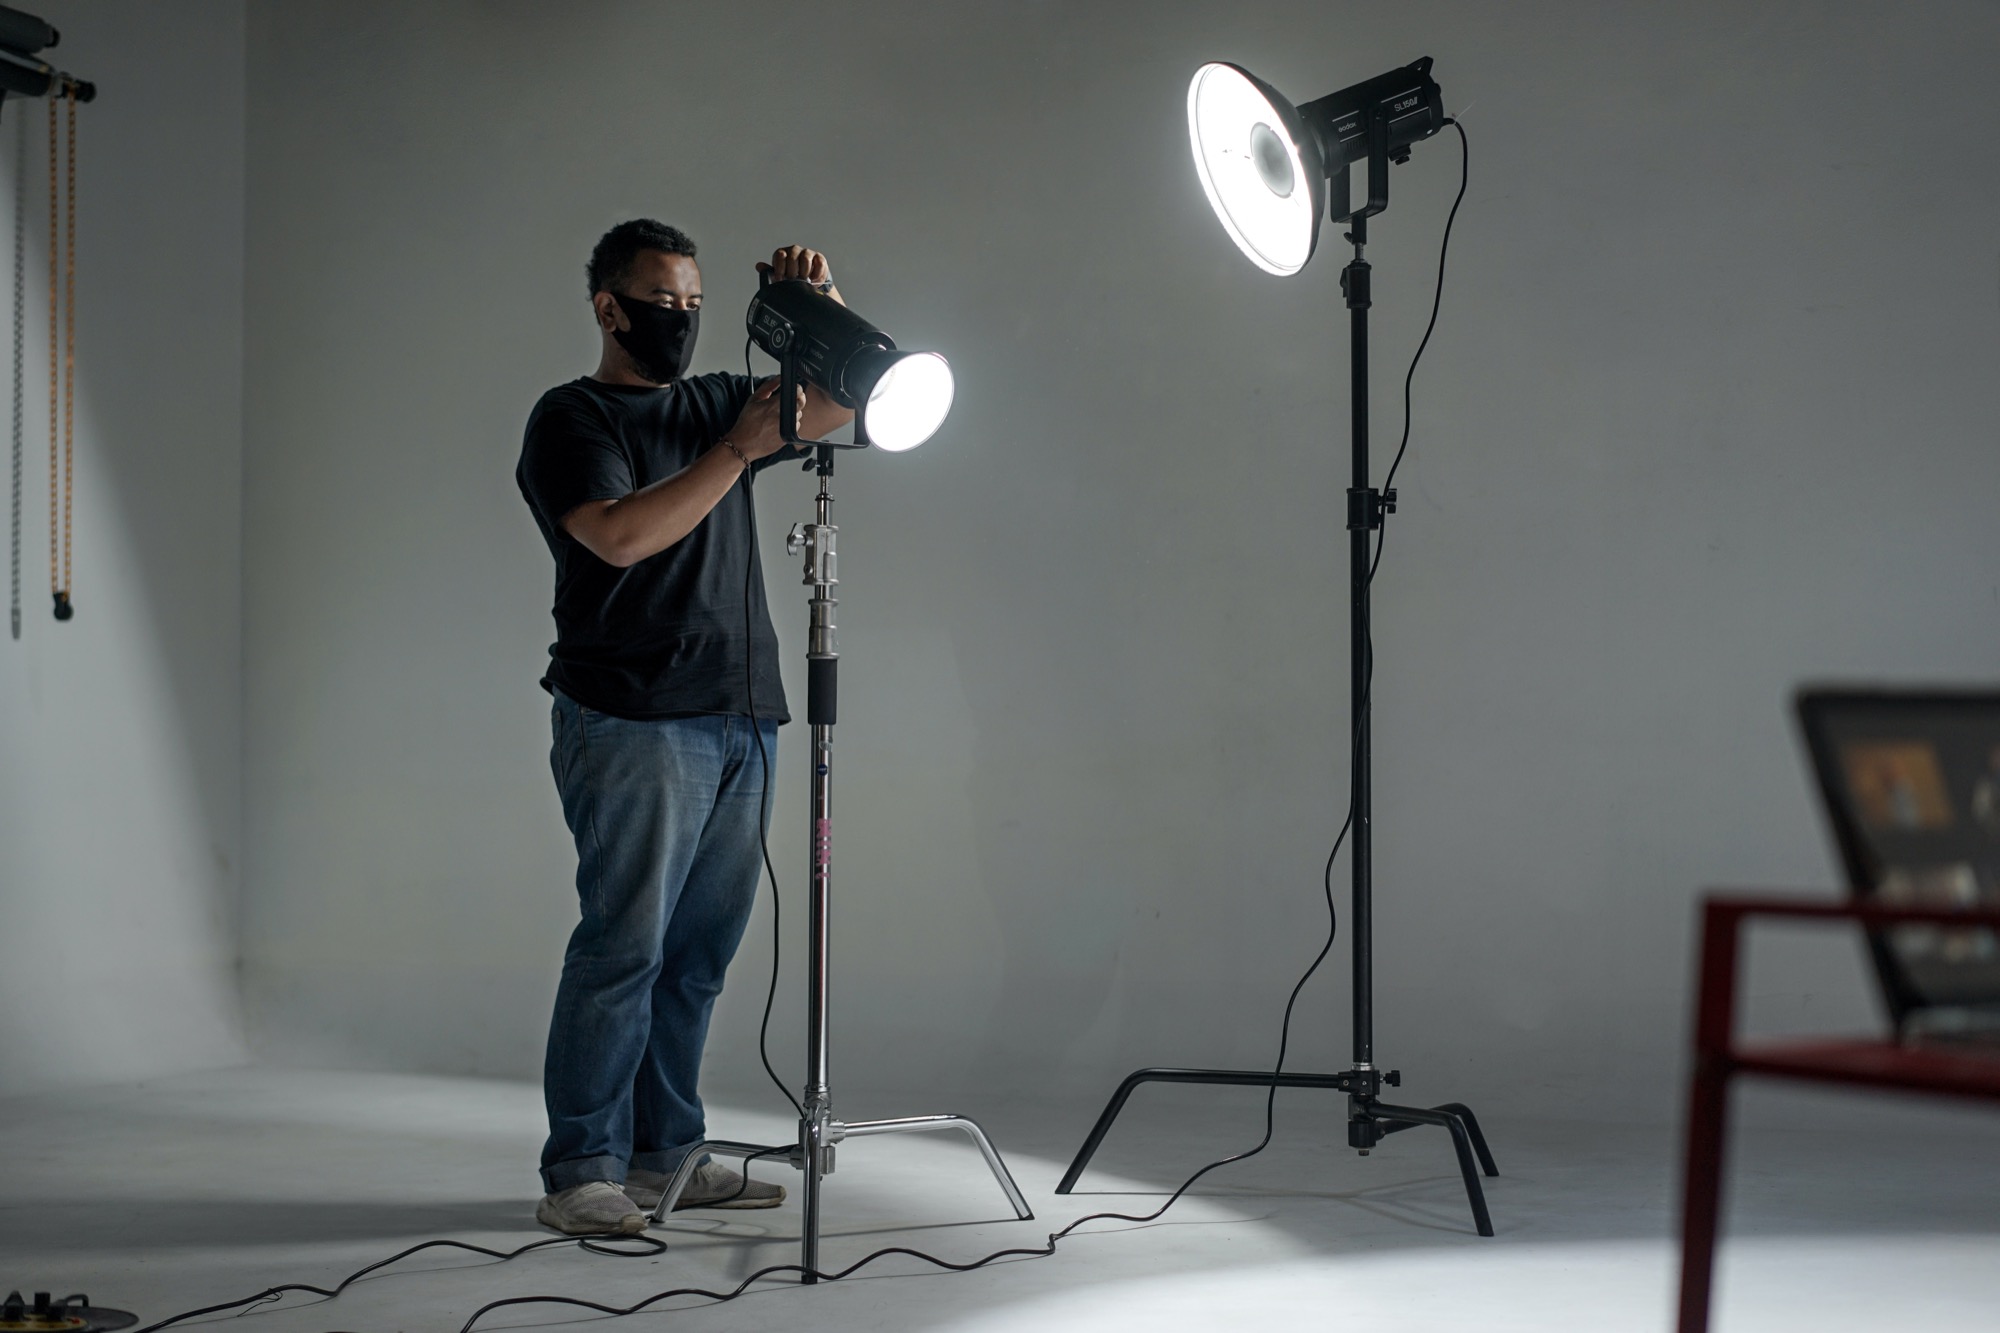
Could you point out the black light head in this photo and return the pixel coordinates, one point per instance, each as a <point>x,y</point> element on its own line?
<point>1408,102</point>
<point>901,397</point>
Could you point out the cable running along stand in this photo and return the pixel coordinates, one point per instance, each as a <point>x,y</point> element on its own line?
<point>1369,1118</point>
<point>820,1131</point>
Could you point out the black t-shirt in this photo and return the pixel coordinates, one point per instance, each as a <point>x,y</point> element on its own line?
<point>665,637</point>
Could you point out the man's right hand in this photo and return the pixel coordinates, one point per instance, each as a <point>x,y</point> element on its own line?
<point>624,531</point>
<point>756,428</point>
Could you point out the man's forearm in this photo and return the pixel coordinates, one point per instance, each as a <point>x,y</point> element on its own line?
<point>625,531</point>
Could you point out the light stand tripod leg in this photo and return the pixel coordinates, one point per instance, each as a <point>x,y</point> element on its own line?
<point>1461,1143</point>
<point>1254,1078</point>
<point>715,1148</point>
<point>918,1124</point>
<point>1464,1113</point>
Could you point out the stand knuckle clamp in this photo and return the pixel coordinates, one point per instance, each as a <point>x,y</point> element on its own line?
<point>798,1157</point>
<point>1367,1083</point>
<point>1355,285</point>
<point>1367,506</point>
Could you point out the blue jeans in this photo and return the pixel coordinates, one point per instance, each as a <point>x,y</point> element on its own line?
<point>666,817</point>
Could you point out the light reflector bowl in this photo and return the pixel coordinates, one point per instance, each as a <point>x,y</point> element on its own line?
<point>909,401</point>
<point>1260,169</point>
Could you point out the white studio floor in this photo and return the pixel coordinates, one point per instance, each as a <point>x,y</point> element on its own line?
<point>1876,1215</point>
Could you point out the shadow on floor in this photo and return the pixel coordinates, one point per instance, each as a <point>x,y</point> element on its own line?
<point>178,1224</point>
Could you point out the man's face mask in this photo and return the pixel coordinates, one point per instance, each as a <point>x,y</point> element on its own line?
<point>660,341</point>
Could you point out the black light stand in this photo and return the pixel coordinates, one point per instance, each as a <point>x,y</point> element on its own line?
<point>1369,1119</point>
<point>819,1129</point>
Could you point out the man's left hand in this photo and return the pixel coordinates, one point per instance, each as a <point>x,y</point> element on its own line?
<point>795,261</point>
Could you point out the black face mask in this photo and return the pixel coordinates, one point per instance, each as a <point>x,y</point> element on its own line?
<point>660,341</point>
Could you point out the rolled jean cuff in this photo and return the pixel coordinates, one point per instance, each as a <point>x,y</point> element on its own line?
<point>665,1162</point>
<point>560,1176</point>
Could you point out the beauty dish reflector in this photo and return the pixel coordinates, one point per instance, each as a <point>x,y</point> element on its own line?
<point>1259,166</point>
<point>1271,169</point>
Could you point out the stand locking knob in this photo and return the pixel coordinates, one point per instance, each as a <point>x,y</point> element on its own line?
<point>1394,1078</point>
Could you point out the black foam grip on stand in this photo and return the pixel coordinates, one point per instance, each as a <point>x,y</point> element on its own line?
<point>822,675</point>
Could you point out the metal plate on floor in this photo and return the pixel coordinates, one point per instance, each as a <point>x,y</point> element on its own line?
<point>72,1314</point>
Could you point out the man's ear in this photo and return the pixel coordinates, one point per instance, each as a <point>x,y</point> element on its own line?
<point>608,314</point>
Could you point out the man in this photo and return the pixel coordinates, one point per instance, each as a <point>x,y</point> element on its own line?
<point>664,653</point>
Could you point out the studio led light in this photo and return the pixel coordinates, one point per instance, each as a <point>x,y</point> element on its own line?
<point>899,398</point>
<point>1265,164</point>
<point>1266,167</point>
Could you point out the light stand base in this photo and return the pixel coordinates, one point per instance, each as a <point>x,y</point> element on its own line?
<point>1369,1120</point>
<point>797,1155</point>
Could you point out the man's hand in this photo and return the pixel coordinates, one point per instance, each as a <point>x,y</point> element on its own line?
<point>625,531</point>
<point>756,428</point>
<point>819,416</point>
<point>795,261</point>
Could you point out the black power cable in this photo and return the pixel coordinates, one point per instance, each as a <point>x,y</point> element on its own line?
<point>750,564</point>
<point>601,1244</point>
<point>650,1246</point>
<point>1437,301</point>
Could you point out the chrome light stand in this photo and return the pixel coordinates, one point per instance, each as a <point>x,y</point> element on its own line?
<point>819,1129</point>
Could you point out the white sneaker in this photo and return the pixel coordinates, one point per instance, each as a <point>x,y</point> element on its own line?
<point>711,1186</point>
<point>594,1208</point>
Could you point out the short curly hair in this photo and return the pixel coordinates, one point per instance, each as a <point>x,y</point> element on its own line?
<point>610,265</point>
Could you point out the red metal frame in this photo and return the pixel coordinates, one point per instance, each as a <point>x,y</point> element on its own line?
<point>1878,1063</point>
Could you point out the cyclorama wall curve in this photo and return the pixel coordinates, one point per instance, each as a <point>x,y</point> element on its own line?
<point>120,745</point>
<point>1709,412</point>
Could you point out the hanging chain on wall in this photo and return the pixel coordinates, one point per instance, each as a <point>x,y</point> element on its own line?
<point>62,357</point>
<point>20,332</point>
<point>23,76</point>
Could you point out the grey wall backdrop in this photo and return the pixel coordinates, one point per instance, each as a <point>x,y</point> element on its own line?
<point>1709,411</point>
<point>120,739</point>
